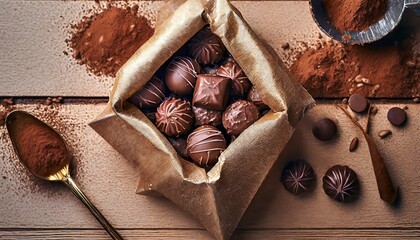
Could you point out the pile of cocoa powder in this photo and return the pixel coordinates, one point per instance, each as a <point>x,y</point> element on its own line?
<point>105,40</point>
<point>354,15</point>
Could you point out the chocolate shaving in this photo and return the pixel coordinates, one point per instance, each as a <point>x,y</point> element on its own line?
<point>387,191</point>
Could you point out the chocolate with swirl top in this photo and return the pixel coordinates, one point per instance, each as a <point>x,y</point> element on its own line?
<point>205,144</point>
<point>151,95</point>
<point>239,116</point>
<point>240,82</point>
<point>174,117</point>
<point>211,92</point>
<point>181,75</point>
<point>206,47</point>
<point>341,184</point>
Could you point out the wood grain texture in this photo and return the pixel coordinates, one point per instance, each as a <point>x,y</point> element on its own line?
<point>32,35</point>
<point>110,181</point>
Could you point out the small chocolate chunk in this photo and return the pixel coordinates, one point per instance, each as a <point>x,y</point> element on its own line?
<point>325,129</point>
<point>240,82</point>
<point>254,97</point>
<point>207,117</point>
<point>358,103</point>
<point>211,92</point>
<point>239,116</point>
<point>298,177</point>
<point>206,47</point>
<point>180,145</point>
<point>205,144</point>
<point>396,116</point>
<point>341,184</point>
<point>174,117</point>
<point>181,75</point>
<point>151,95</point>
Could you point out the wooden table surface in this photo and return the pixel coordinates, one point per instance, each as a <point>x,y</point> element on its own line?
<point>32,64</point>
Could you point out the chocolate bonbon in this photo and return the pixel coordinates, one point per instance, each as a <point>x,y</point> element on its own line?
<point>207,117</point>
<point>206,47</point>
<point>181,75</point>
<point>239,116</point>
<point>211,92</point>
<point>254,97</point>
<point>174,117</point>
<point>325,129</point>
<point>205,144</point>
<point>240,82</point>
<point>341,184</point>
<point>298,177</point>
<point>151,95</point>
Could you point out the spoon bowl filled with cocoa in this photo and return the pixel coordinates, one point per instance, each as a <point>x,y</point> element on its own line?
<point>359,21</point>
<point>44,153</point>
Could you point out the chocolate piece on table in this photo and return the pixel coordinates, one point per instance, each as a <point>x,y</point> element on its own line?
<point>205,144</point>
<point>239,116</point>
<point>151,95</point>
<point>174,117</point>
<point>211,92</point>
<point>207,117</point>
<point>396,116</point>
<point>206,47</point>
<point>181,75</point>
<point>341,184</point>
<point>358,103</point>
<point>325,129</point>
<point>254,97</point>
<point>240,82</point>
<point>298,177</point>
<point>180,145</point>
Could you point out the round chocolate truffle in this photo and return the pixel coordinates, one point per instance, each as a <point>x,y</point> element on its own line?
<point>240,82</point>
<point>239,116</point>
<point>298,177</point>
<point>174,117</point>
<point>181,75</point>
<point>180,145</point>
<point>206,47</point>
<point>205,144</point>
<point>151,95</point>
<point>358,103</point>
<point>396,116</point>
<point>207,117</point>
<point>325,129</point>
<point>341,184</point>
<point>255,98</point>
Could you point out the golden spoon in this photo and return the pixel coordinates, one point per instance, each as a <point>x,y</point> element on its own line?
<point>18,124</point>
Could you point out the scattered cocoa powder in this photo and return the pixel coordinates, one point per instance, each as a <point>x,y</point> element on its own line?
<point>354,15</point>
<point>106,40</point>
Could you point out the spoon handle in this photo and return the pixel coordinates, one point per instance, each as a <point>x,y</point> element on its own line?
<point>101,219</point>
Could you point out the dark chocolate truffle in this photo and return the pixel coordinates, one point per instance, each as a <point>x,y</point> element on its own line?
<point>325,129</point>
<point>396,116</point>
<point>205,144</point>
<point>207,117</point>
<point>239,116</point>
<point>240,82</point>
<point>151,95</point>
<point>180,145</point>
<point>298,177</point>
<point>341,184</point>
<point>358,103</point>
<point>211,92</point>
<point>181,75</point>
<point>174,117</point>
<point>255,98</point>
<point>206,47</point>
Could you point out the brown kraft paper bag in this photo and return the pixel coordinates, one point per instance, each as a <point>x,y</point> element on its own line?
<point>228,188</point>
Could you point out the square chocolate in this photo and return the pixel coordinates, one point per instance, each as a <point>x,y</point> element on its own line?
<point>211,92</point>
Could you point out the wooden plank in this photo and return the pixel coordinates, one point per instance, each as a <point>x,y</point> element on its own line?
<point>110,181</point>
<point>32,35</point>
<point>192,234</point>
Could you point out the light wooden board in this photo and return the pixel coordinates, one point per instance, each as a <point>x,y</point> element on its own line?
<point>110,182</point>
<point>32,35</point>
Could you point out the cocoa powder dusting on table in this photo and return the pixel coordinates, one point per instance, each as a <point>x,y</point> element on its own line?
<point>354,15</point>
<point>106,40</point>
